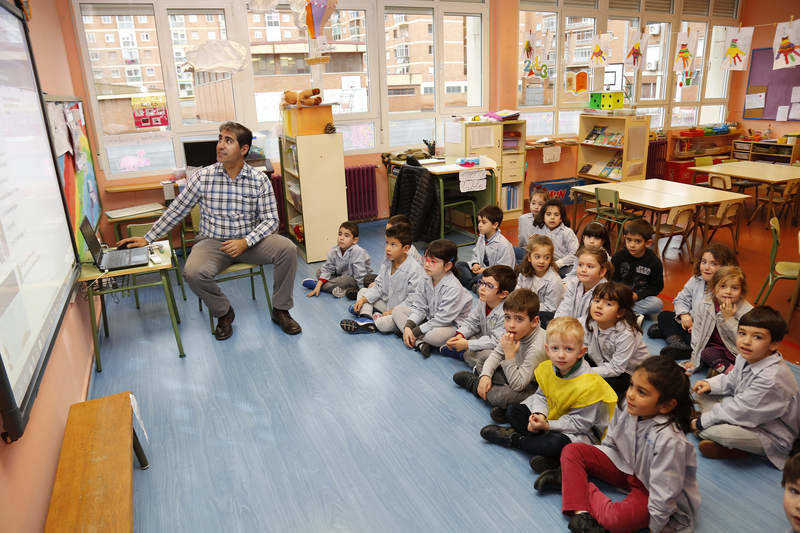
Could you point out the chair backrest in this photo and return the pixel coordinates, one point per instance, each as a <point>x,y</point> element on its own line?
<point>791,189</point>
<point>139,230</point>
<point>728,211</point>
<point>607,197</point>
<point>703,161</point>
<point>719,181</point>
<point>775,228</point>
<point>680,216</point>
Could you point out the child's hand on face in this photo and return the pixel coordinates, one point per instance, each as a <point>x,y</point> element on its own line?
<point>687,322</point>
<point>538,422</point>
<point>701,387</point>
<point>510,345</point>
<point>484,386</point>
<point>727,307</point>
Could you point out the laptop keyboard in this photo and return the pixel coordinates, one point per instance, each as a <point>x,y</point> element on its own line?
<point>116,259</point>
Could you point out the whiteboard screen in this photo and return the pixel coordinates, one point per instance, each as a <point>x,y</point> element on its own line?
<point>37,254</point>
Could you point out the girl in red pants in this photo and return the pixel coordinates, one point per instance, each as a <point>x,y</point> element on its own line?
<point>645,452</point>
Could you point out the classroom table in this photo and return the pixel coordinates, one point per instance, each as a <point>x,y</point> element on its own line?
<point>769,174</point>
<point>659,197</point>
<point>91,274</point>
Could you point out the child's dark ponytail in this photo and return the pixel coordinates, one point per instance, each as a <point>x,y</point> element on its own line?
<point>672,383</point>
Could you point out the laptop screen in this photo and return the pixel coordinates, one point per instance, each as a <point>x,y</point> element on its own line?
<point>91,240</point>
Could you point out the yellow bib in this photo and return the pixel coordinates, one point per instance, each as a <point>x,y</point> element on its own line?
<point>565,394</point>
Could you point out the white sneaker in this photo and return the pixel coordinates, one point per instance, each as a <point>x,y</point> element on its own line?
<point>639,319</point>
<point>339,292</point>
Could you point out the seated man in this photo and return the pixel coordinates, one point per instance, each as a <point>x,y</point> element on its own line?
<point>238,221</point>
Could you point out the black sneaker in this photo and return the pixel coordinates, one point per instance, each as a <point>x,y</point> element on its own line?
<point>358,325</point>
<point>351,293</point>
<point>549,480</point>
<point>466,380</point>
<point>584,523</point>
<point>654,332</point>
<point>541,463</point>
<point>504,436</point>
<point>424,348</point>
<point>675,353</point>
<point>498,414</point>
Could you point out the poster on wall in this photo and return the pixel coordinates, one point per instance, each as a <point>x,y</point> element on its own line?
<point>786,45</point>
<point>737,51</point>
<point>637,43</point>
<point>149,111</point>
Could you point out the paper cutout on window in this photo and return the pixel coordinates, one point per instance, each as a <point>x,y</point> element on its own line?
<point>577,82</point>
<point>737,53</point>
<point>600,50</point>
<point>786,45</point>
<point>686,49</point>
<point>637,45</point>
<point>534,54</point>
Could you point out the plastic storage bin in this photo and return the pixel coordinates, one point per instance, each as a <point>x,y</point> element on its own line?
<point>559,189</point>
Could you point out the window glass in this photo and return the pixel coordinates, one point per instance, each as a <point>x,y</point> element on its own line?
<point>357,135</point>
<point>410,132</point>
<point>683,116</point>
<point>537,66</point>
<point>537,124</point>
<point>568,122</point>
<point>140,152</point>
<point>656,62</point>
<point>688,82</point>
<point>711,114</point>
<point>462,60</point>
<point>618,76</point>
<point>409,66</point>
<point>656,116</point>
<point>717,81</point>
<point>577,79</point>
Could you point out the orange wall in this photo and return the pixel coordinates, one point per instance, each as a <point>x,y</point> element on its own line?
<point>28,466</point>
<point>755,13</point>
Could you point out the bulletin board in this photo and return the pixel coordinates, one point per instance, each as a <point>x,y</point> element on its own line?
<point>778,84</point>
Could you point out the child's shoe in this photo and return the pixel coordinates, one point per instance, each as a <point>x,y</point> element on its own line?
<point>584,523</point>
<point>549,480</point>
<point>309,283</point>
<point>338,292</point>
<point>353,310</point>
<point>358,325</point>
<point>712,450</point>
<point>466,380</point>
<point>449,352</point>
<point>424,348</point>
<point>507,437</point>
<point>351,293</point>
<point>676,353</point>
<point>639,320</point>
<point>654,332</point>
<point>541,463</point>
<point>498,414</point>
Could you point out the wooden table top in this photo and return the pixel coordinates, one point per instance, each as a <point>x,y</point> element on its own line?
<point>754,170</point>
<point>90,272</point>
<point>662,195</point>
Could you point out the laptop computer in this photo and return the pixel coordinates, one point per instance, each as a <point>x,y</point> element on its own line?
<point>112,259</point>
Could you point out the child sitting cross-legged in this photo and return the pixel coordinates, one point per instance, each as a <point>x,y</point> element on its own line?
<point>525,229</point>
<point>552,222</point>
<point>480,331</point>
<point>440,302</point>
<point>756,407</point>
<point>638,267</point>
<point>614,340</point>
<point>539,273</point>
<point>646,453</point>
<point>492,248</point>
<point>345,267</point>
<point>397,281</point>
<point>505,376</point>
<point>413,253</point>
<point>572,405</point>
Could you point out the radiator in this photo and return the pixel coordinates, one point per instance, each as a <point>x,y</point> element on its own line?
<point>362,197</point>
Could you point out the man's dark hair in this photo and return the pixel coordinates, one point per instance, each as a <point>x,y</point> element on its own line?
<point>243,135</point>
<point>401,232</point>
<point>352,227</point>
<point>639,227</point>
<point>504,275</point>
<point>765,317</point>
<point>493,213</point>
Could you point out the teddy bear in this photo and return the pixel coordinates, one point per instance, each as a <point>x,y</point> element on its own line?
<point>307,97</point>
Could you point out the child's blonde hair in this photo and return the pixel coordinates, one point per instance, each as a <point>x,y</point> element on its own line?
<point>536,241</point>
<point>726,273</point>
<point>565,328</point>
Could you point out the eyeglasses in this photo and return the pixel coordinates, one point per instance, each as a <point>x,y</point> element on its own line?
<point>487,284</point>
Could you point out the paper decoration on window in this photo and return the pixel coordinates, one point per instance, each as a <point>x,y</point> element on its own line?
<point>577,82</point>
<point>601,48</point>
<point>738,48</point>
<point>535,49</point>
<point>637,44</point>
<point>686,49</point>
<point>786,45</point>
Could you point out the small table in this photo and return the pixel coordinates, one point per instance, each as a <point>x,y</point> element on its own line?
<point>90,274</point>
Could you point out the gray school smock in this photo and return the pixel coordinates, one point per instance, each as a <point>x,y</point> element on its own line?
<point>497,250</point>
<point>616,350</point>
<point>396,287</point>
<point>584,424</point>
<point>549,288</point>
<point>440,306</point>
<point>576,301</point>
<point>660,456</point>
<point>690,297</point>
<point>518,371</point>
<point>565,244</point>
<point>353,262</point>
<point>414,255</point>
<point>763,397</point>
<point>483,331</point>
<point>524,229</point>
<point>707,319</point>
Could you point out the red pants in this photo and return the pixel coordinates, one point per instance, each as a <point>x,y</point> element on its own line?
<point>578,462</point>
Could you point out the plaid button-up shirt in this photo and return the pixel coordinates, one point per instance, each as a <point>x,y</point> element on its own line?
<point>229,208</point>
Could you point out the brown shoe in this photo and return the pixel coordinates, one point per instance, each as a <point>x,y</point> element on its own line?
<point>225,325</point>
<point>712,450</point>
<point>286,322</point>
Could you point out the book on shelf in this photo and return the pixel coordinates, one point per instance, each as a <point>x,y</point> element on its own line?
<point>597,132</point>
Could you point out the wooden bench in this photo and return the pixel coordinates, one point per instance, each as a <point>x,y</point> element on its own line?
<point>93,489</point>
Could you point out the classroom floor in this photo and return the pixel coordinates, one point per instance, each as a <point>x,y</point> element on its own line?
<point>325,431</point>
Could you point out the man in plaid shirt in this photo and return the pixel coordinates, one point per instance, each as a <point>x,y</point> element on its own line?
<point>239,220</point>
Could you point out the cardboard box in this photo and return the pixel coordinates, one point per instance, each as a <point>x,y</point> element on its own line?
<point>306,120</point>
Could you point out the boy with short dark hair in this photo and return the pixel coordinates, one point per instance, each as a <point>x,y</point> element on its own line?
<point>638,267</point>
<point>396,283</point>
<point>791,492</point>
<point>505,377</point>
<point>479,333</point>
<point>345,267</point>
<point>756,407</point>
<point>492,248</point>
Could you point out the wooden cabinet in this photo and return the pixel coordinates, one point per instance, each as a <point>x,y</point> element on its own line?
<point>682,148</point>
<point>767,151</point>
<point>314,191</point>
<point>504,143</point>
<point>612,148</point>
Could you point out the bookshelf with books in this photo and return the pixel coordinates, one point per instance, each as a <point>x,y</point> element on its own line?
<point>612,148</point>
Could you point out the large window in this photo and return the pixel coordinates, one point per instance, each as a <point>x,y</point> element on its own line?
<point>537,66</point>
<point>408,63</point>
<point>463,76</point>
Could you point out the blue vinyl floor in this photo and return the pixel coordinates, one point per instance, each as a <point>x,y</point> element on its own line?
<point>325,431</point>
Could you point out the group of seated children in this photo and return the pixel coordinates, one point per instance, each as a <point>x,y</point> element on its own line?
<point>564,367</point>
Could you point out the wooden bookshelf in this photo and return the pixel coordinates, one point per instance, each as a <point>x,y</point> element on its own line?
<point>624,138</point>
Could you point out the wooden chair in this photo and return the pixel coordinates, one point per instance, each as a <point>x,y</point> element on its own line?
<point>725,216</point>
<point>779,203</point>
<point>679,222</point>
<point>608,210</point>
<point>796,293</point>
<point>777,270</point>
<point>702,161</point>
<point>239,271</point>
<point>719,181</point>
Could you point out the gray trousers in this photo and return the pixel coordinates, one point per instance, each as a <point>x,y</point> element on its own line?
<point>345,282</point>
<point>435,337</point>
<point>729,435</point>
<point>207,260</point>
<point>473,359</point>
<point>385,324</point>
<point>501,394</point>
